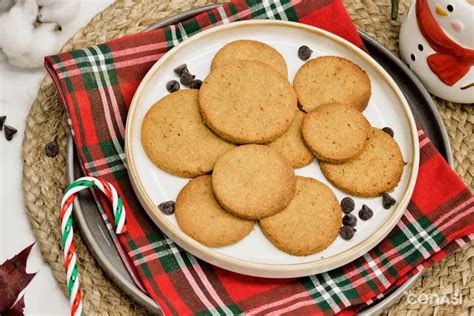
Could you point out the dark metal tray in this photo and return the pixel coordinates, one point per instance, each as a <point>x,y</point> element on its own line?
<point>97,237</point>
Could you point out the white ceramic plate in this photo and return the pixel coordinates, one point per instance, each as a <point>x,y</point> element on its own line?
<point>255,255</point>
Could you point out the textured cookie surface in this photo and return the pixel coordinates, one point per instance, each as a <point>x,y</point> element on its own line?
<point>200,216</point>
<point>309,224</point>
<point>247,102</point>
<point>331,79</point>
<point>176,139</point>
<point>335,132</point>
<point>250,50</point>
<point>291,144</point>
<point>376,170</point>
<point>253,181</point>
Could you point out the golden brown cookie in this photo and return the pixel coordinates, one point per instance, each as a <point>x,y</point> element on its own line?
<point>376,170</point>
<point>176,139</point>
<point>335,132</point>
<point>331,79</point>
<point>247,102</point>
<point>200,216</point>
<point>309,224</point>
<point>253,181</point>
<point>250,50</point>
<point>291,144</point>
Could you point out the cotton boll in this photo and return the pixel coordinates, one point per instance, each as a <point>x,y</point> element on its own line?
<point>16,28</point>
<point>5,5</point>
<point>45,41</point>
<point>59,11</point>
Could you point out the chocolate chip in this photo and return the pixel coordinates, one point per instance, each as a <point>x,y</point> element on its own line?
<point>349,220</point>
<point>2,121</point>
<point>347,232</point>
<point>186,78</point>
<point>304,52</point>
<point>347,205</point>
<point>388,130</point>
<point>51,149</point>
<point>388,201</point>
<point>172,86</point>
<point>195,84</point>
<point>167,208</point>
<point>180,69</point>
<point>9,132</point>
<point>365,212</point>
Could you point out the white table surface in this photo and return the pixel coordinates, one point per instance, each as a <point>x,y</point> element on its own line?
<point>18,89</point>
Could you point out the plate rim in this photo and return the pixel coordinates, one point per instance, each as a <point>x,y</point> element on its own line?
<point>264,269</point>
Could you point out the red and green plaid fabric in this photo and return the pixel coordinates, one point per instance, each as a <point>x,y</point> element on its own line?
<point>96,85</point>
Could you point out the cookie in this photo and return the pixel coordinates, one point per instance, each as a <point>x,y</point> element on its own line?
<point>309,224</point>
<point>291,144</point>
<point>176,139</point>
<point>250,50</point>
<point>200,216</point>
<point>331,79</point>
<point>376,170</point>
<point>335,132</point>
<point>253,181</point>
<point>247,102</point>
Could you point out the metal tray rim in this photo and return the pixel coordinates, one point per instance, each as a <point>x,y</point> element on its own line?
<point>144,299</point>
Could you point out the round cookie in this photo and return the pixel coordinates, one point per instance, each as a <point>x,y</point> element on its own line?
<point>291,146</point>
<point>247,102</point>
<point>335,132</point>
<point>309,224</point>
<point>200,216</point>
<point>376,170</point>
<point>253,181</point>
<point>331,79</point>
<point>176,139</point>
<point>250,50</point>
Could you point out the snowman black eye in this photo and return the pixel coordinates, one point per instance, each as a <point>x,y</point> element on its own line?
<point>450,8</point>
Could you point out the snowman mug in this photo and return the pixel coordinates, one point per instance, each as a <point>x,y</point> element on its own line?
<point>437,43</point>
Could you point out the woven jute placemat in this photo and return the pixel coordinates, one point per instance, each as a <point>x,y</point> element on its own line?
<point>44,179</point>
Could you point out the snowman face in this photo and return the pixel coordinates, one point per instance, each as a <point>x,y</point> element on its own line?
<point>456,18</point>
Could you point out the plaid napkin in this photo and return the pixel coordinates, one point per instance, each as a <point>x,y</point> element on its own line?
<point>96,85</point>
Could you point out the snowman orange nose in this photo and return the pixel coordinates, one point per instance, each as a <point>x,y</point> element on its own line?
<point>441,11</point>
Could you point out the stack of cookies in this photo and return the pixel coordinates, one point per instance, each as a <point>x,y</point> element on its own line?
<point>241,135</point>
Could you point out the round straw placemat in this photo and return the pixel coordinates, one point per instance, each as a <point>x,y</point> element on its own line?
<point>44,178</point>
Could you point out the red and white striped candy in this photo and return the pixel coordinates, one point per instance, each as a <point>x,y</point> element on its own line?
<point>68,244</point>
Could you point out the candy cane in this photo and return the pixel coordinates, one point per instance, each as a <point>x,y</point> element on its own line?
<point>67,233</point>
